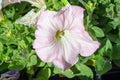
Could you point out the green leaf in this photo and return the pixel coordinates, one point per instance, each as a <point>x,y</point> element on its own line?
<point>17,62</point>
<point>30,70</point>
<point>56,4</point>
<point>84,70</point>
<point>113,38</point>
<point>110,11</point>
<point>50,64</point>
<point>106,49</point>
<point>16,65</point>
<point>22,44</point>
<point>74,2</point>
<point>40,63</point>
<point>98,32</point>
<point>3,67</point>
<point>43,74</point>
<point>92,34</point>
<point>108,45</point>
<point>57,70</point>
<point>1,50</point>
<point>117,62</point>
<point>65,2</point>
<point>68,73</point>
<point>29,39</point>
<point>32,61</point>
<point>117,1</point>
<point>116,52</point>
<point>115,23</point>
<point>10,12</point>
<point>1,47</point>
<point>102,65</point>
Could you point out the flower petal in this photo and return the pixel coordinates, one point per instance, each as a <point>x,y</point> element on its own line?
<point>43,39</point>
<point>82,43</point>
<point>71,17</point>
<point>46,21</point>
<point>68,53</point>
<point>88,46</point>
<point>71,51</point>
<point>47,54</point>
<point>60,61</point>
<point>64,17</point>
<point>45,44</point>
<point>77,15</point>
<point>29,19</point>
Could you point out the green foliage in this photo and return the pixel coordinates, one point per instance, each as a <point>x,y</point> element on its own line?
<point>98,31</point>
<point>85,72</point>
<point>101,20</point>
<point>102,65</point>
<point>16,41</point>
<point>55,4</point>
<point>116,54</point>
<point>68,73</point>
<point>43,74</point>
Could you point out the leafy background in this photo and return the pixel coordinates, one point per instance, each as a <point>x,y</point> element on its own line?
<point>101,21</point>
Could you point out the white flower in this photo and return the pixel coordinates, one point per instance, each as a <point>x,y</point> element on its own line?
<point>29,19</point>
<point>60,37</point>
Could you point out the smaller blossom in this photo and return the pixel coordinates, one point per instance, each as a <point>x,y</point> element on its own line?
<point>61,36</point>
<point>29,19</point>
<point>10,75</point>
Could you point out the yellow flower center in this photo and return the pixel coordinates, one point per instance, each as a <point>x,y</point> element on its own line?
<point>59,34</point>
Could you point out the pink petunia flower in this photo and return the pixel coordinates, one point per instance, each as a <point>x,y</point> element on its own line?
<point>61,37</point>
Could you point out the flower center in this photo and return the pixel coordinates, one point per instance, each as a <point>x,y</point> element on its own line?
<point>59,34</point>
